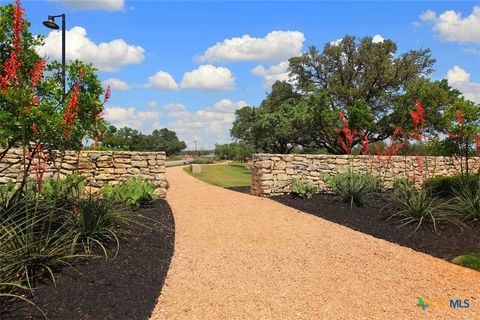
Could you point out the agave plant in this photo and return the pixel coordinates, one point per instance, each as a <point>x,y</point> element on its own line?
<point>417,206</point>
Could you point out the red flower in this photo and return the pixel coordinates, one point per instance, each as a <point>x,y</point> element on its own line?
<point>364,142</point>
<point>72,107</point>
<point>107,95</point>
<point>36,72</point>
<point>460,117</point>
<point>348,136</point>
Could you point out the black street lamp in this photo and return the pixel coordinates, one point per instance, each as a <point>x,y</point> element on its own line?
<point>50,23</point>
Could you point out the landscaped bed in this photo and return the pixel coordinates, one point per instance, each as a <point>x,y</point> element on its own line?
<point>125,287</point>
<point>449,242</point>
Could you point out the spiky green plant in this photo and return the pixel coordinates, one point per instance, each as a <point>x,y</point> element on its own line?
<point>95,223</point>
<point>352,187</point>
<point>417,206</point>
<point>466,202</point>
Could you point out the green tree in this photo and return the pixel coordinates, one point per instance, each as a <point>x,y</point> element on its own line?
<point>165,140</point>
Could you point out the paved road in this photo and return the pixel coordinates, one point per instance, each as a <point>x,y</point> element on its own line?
<point>244,257</point>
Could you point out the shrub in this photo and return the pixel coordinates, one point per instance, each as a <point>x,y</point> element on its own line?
<point>94,224</point>
<point>132,192</point>
<point>352,187</point>
<point>33,240</point>
<point>445,187</point>
<point>413,205</point>
<point>466,202</point>
<point>302,189</point>
<point>62,190</point>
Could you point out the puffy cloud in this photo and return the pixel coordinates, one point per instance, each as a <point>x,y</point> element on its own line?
<point>275,46</point>
<point>116,84</point>
<point>460,79</point>
<point>130,117</point>
<point>452,27</point>
<point>378,39</point>
<point>273,73</point>
<point>207,126</point>
<point>109,5</point>
<point>428,15</point>
<point>106,56</point>
<point>163,81</point>
<point>209,78</point>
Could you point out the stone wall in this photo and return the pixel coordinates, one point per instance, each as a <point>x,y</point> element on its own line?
<point>99,167</point>
<point>273,173</point>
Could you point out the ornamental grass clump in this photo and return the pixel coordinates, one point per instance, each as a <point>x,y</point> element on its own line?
<point>96,224</point>
<point>417,206</point>
<point>302,189</point>
<point>355,188</point>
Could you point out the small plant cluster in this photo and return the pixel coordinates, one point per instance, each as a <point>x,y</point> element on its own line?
<point>303,189</point>
<point>131,192</point>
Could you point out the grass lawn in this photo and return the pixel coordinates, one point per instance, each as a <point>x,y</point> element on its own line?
<point>224,175</point>
<point>470,260</point>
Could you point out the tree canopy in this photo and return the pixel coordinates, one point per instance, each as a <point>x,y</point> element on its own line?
<point>373,85</point>
<point>133,140</point>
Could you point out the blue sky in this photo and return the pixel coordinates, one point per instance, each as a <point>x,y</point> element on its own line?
<point>188,65</point>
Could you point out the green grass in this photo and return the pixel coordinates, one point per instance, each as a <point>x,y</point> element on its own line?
<point>471,260</point>
<point>224,175</point>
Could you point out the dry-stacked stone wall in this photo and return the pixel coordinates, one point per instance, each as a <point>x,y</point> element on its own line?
<point>98,167</point>
<point>273,173</point>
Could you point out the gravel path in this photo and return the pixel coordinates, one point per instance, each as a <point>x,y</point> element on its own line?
<point>244,257</point>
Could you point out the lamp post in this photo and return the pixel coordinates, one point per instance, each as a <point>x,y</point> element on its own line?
<point>50,23</point>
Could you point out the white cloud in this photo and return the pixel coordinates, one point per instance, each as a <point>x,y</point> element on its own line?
<point>207,126</point>
<point>163,81</point>
<point>116,84</point>
<point>459,79</point>
<point>275,46</point>
<point>452,27</point>
<point>106,56</point>
<point>209,78</point>
<point>129,117</point>
<point>378,39</point>
<point>273,73</point>
<point>428,15</point>
<point>109,5</point>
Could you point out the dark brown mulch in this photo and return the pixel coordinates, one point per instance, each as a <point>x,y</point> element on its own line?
<point>240,189</point>
<point>126,287</point>
<point>447,244</point>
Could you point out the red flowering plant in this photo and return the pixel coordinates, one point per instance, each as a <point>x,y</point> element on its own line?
<point>464,134</point>
<point>33,111</point>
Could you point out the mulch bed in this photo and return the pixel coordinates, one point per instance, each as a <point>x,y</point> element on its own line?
<point>126,287</point>
<point>449,241</point>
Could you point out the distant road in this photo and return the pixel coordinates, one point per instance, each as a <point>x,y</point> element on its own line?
<point>176,163</point>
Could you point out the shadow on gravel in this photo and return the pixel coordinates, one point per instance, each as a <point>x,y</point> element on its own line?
<point>124,288</point>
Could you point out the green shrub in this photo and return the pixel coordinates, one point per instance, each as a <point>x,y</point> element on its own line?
<point>445,187</point>
<point>302,189</point>
<point>94,224</point>
<point>466,202</point>
<point>34,238</point>
<point>6,192</point>
<point>131,192</point>
<point>62,190</point>
<point>413,205</point>
<point>352,187</point>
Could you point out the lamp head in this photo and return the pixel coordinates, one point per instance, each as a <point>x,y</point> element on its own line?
<point>50,23</point>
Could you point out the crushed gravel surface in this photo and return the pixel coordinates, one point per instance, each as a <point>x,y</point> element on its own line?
<point>243,257</point>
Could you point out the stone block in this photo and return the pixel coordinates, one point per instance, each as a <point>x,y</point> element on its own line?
<point>196,168</point>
